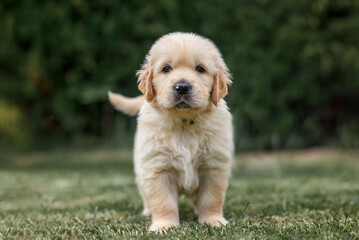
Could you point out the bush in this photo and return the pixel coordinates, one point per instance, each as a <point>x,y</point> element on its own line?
<point>295,65</point>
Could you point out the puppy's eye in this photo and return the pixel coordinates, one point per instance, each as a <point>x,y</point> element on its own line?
<point>200,69</point>
<point>166,69</point>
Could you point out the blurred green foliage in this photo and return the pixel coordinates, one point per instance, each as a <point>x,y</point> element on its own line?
<point>295,66</point>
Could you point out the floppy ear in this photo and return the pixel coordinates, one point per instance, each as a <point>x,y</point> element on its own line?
<point>145,82</point>
<point>220,85</point>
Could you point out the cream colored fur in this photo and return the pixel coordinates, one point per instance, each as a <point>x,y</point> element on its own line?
<point>188,150</point>
<point>130,106</point>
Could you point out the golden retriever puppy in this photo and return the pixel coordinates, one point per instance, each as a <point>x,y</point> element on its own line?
<point>184,140</point>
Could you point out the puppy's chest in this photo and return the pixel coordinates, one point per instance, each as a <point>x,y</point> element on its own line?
<point>187,156</point>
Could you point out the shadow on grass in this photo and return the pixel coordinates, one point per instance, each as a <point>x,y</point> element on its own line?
<point>74,161</point>
<point>287,169</point>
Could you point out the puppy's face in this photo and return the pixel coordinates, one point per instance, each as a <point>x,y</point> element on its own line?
<point>183,72</point>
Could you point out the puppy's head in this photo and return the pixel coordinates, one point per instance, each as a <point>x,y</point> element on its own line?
<point>184,72</point>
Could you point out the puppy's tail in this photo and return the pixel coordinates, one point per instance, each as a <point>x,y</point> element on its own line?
<point>130,106</point>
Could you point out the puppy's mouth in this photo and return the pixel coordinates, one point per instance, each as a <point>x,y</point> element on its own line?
<point>182,104</point>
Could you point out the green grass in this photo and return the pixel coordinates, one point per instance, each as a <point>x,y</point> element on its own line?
<point>92,195</point>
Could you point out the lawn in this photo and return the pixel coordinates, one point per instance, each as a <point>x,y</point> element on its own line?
<point>92,195</point>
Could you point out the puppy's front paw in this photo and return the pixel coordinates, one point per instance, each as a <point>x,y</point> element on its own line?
<point>214,221</point>
<point>162,225</point>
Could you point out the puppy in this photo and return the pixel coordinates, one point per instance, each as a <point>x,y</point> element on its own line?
<point>184,140</point>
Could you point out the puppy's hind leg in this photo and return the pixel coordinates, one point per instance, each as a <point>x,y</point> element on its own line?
<point>195,203</point>
<point>146,208</point>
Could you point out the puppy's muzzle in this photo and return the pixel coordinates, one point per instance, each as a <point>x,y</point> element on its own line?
<point>182,92</point>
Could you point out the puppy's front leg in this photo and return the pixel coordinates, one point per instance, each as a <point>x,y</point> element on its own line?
<point>162,196</point>
<point>213,186</point>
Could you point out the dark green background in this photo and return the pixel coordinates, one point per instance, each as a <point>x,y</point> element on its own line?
<point>295,66</point>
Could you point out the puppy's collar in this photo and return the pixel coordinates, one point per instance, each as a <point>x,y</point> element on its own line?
<point>191,121</point>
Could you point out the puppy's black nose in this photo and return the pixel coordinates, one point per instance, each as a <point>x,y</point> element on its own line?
<point>182,88</point>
